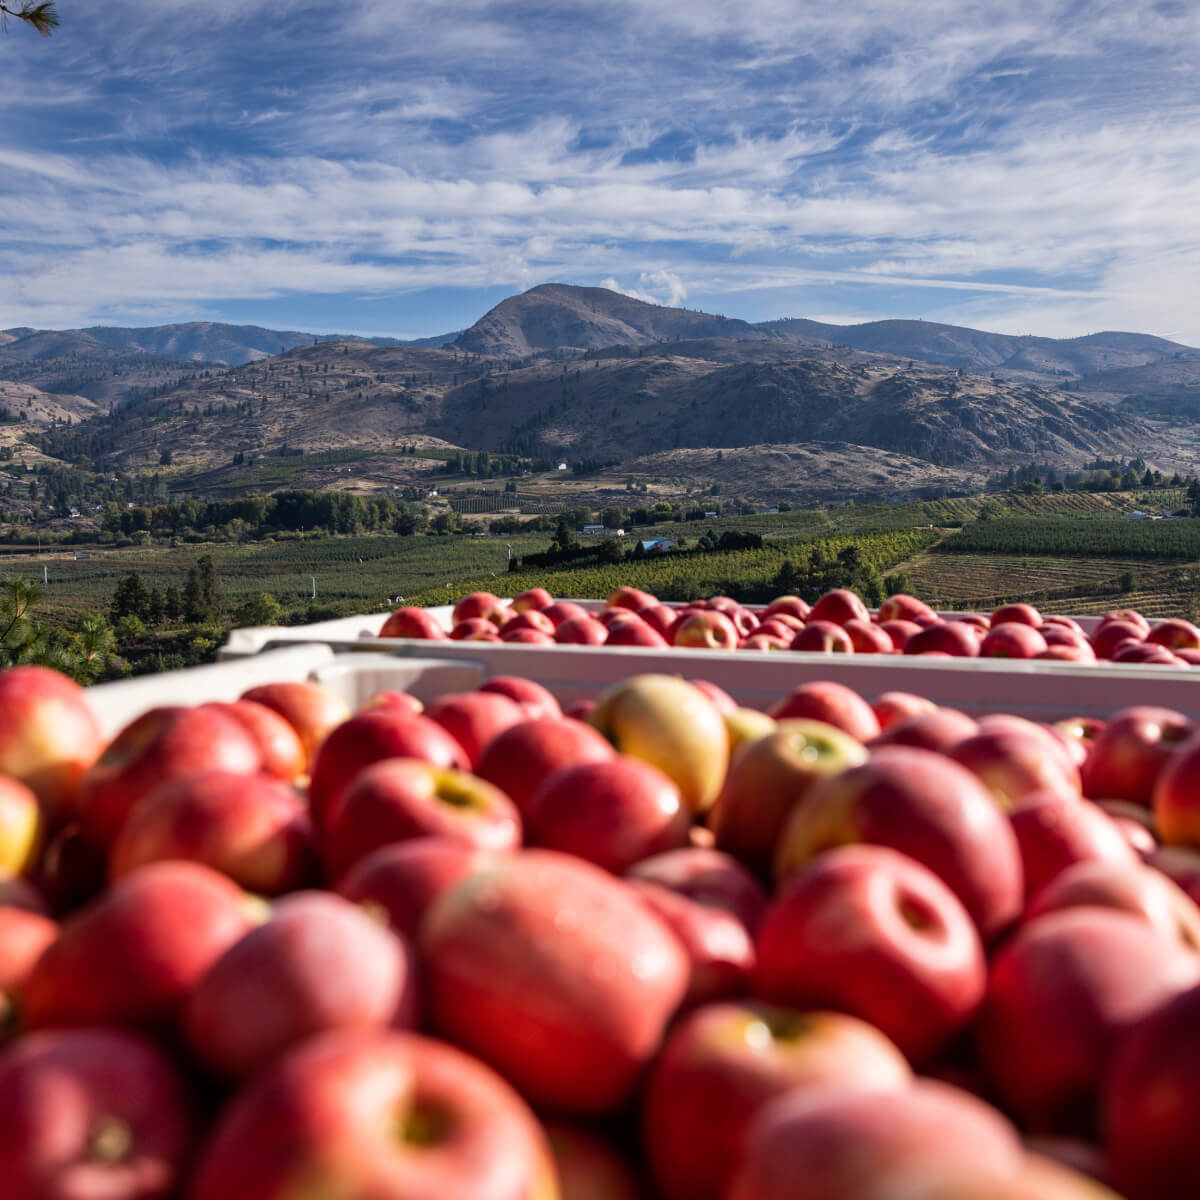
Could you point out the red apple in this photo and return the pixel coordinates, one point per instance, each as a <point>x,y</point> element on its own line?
<point>480,604</point>
<point>528,637</point>
<point>532,599</point>
<point>398,882</point>
<point>1131,615</point>
<point>92,1114</point>
<point>822,637</point>
<point>1145,652</point>
<point>1130,752</point>
<point>765,642</point>
<point>634,632</point>
<point>1013,762</point>
<point>133,955</point>
<point>49,736</point>
<point>900,631</point>
<point>1021,614</point>
<point>564,610</point>
<point>768,778</point>
<point>161,744</point>
<point>672,725</point>
<point>958,639</point>
<point>404,702</point>
<point>613,812</point>
<point>374,1114</point>
<point>1055,831</point>
<point>554,972</point>
<point>582,630</point>
<point>859,1144</point>
<point>724,1062</point>
<point>867,930</point>
<point>252,828</point>
<point>1061,996</point>
<point>839,606</point>
<point>925,806</point>
<point>1150,1100</point>
<point>590,1167</point>
<point>833,703</point>
<point>940,730</point>
<point>401,798</point>
<point>475,629</point>
<point>311,710</point>
<point>1175,796</point>
<point>707,876</point>
<point>867,638</point>
<point>902,607</point>
<point>530,619</point>
<point>630,598</point>
<point>1126,887</point>
<point>1011,639</point>
<point>792,605</point>
<point>368,737</point>
<point>23,937</point>
<point>709,629</point>
<point>536,700</point>
<point>319,964</point>
<point>1110,634</point>
<point>411,622</point>
<point>1175,633</point>
<point>892,707</point>
<point>283,754</point>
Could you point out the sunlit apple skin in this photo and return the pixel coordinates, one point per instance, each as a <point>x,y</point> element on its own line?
<point>564,610</point>
<point>373,1114</point>
<point>401,798</point>
<point>1175,633</point>
<point>49,736</point>
<point>318,964</point>
<point>891,707</point>
<point>1131,888</point>
<point>722,1063</point>
<point>745,725</point>
<point>868,638</point>
<point>764,642</point>
<point>833,703</point>
<point>1131,615</point>
<point>839,606</point>
<point>92,1113</point>
<point>768,778</point>
<point>23,937</point>
<point>1136,823</point>
<point>311,710</point>
<point>480,604</point>
<point>1056,831</point>
<point>283,754</point>
<point>368,737</point>
<point>1061,995</point>
<point>634,632</point>
<point>718,946</point>
<point>672,725</point>
<point>591,1167</point>
<point>20,826</point>
<point>822,637</point>
<point>707,876</point>
<point>532,600</point>
<point>1011,639</point>
<point>398,882</point>
<point>411,622</point>
<point>927,807</point>
<point>722,700</point>
<point>583,630</point>
<point>854,1144</point>
<point>792,605</point>
<point>475,629</point>
<point>612,812</point>
<point>902,607</point>
<point>133,955</point>
<point>536,700</point>
<point>530,619</point>
<point>1150,1101</point>
<point>1130,752</point>
<point>161,744</point>
<point>869,931</point>
<point>555,973</point>
<point>629,597</point>
<point>958,639</point>
<point>1175,797</point>
<point>708,629</point>
<point>1021,614</point>
<point>1066,635</point>
<point>939,730</point>
<point>1013,763</point>
<point>474,718</point>
<point>253,828</point>
<point>520,759</point>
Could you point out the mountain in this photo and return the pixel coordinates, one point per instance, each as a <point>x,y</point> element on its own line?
<point>556,317</point>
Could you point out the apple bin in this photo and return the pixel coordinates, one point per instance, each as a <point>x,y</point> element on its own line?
<point>744,926</point>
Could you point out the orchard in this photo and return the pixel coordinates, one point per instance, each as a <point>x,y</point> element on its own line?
<point>658,945</point>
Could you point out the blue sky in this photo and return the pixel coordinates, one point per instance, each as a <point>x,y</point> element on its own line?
<point>398,167</point>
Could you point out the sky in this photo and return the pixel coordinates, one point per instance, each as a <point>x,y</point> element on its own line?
<point>398,167</point>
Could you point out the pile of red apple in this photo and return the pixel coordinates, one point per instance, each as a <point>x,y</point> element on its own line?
<point>838,623</point>
<point>661,947</point>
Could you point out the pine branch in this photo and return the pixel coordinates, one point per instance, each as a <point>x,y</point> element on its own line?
<point>42,16</point>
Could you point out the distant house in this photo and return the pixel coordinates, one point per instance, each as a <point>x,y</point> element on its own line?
<point>770,512</point>
<point>1137,515</point>
<point>562,466</point>
<point>657,545</point>
<point>708,516</point>
<point>592,529</point>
